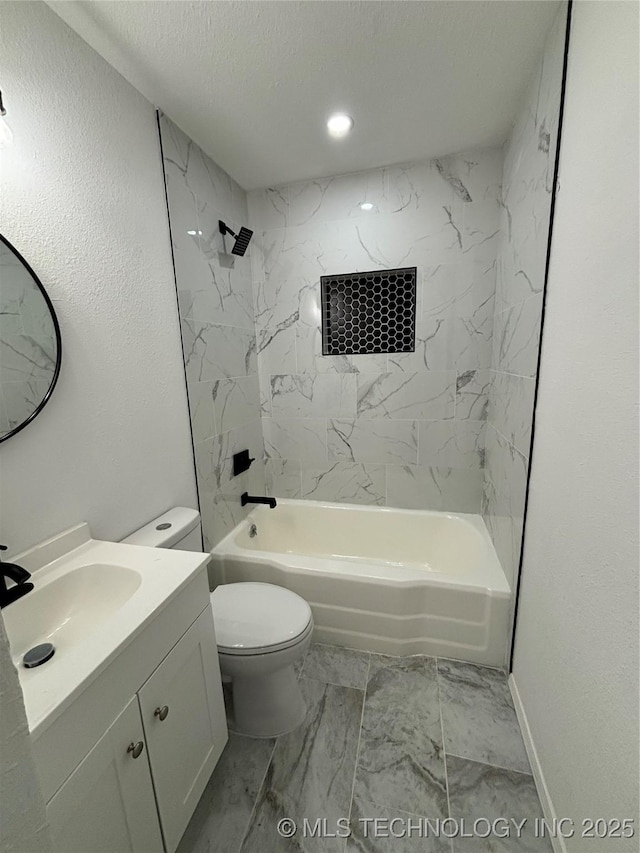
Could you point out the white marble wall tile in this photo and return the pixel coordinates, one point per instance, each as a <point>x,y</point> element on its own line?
<point>213,352</point>
<point>283,478</point>
<point>336,198</point>
<point>215,298</point>
<point>408,239</point>
<point>401,396</point>
<point>507,469</point>
<point>472,395</point>
<point>303,439</point>
<point>220,514</point>
<point>526,199</point>
<point>393,442</point>
<point>203,421</point>
<point>451,444</point>
<point>345,482</point>
<point>446,489</point>
<point>447,343</point>
<point>286,303</point>
<point>516,338</point>
<point>464,289</point>
<point>240,205</point>
<point>221,509</point>
<point>276,346</point>
<point>264,400</point>
<point>229,275</point>
<point>479,173</point>
<point>440,216</point>
<point>504,500</point>
<point>214,456</point>
<point>313,395</point>
<point>218,293</point>
<point>310,358</point>
<point>186,162</point>
<point>480,225</point>
<point>256,257</point>
<point>235,402</point>
<point>511,408</point>
<point>300,255</point>
<point>419,186</point>
<point>182,158</point>
<point>268,208</point>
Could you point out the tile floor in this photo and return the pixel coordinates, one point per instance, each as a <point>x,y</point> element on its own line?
<point>384,738</point>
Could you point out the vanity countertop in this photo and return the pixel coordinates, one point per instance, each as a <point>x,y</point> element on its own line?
<point>90,600</point>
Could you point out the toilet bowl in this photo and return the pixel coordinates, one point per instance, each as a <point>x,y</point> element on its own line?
<point>261,631</point>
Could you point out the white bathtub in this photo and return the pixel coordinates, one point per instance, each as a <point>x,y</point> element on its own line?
<point>393,581</point>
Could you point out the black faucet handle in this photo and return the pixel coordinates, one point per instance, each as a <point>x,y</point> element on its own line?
<point>15,573</point>
<point>4,547</point>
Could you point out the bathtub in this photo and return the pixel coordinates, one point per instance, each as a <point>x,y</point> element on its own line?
<point>392,581</point>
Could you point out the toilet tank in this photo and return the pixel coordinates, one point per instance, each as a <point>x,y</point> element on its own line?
<point>177,528</point>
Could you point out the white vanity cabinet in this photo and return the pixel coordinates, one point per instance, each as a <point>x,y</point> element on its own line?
<point>185,726</point>
<point>107,803</point>
<point>136,789</point>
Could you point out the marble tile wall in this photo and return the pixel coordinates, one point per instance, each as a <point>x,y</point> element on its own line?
<point>404,430</point>
<point>522,248</point>
<point>218,331</point>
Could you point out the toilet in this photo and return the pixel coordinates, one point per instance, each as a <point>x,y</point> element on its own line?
<point>262,630</point>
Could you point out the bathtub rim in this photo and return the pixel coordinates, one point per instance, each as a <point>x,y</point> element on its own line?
<point>490,576</point>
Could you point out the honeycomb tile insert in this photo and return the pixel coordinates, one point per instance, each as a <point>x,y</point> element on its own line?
<point>369,312</point>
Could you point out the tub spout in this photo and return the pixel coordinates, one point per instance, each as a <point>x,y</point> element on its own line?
<point>252,499</point>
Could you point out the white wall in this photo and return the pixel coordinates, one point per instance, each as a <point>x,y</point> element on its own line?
<point>576,650</point>
<point>82,199</point>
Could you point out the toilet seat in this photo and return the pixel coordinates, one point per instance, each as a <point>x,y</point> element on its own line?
<point>258,618</point>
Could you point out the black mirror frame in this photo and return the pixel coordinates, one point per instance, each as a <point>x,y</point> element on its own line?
<point>56,327</point>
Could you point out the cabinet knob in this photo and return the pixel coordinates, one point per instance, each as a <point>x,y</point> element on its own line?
<point>161,713</point>
<point>136,749</point>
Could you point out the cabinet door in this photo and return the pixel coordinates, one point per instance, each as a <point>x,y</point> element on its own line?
<point>185,725</point>
<point>107,803</point>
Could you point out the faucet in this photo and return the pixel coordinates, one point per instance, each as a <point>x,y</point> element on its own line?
<point>19,576</point>
<point>252,499</point>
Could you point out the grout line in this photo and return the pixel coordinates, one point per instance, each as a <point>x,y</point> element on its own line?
<point>490,764</point>
<point>255,803</point>
<point>444,750</point>
<point>355,768</point>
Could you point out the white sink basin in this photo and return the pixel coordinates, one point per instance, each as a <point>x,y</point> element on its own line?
<point>90,599</point>
<point>67,608</point>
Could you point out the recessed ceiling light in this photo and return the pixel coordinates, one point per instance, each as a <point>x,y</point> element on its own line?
<point>194,233</point>
<point>366,205</point>
<point>339,124</point>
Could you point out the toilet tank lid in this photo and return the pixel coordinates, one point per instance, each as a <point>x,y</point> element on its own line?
<point>166,530</point>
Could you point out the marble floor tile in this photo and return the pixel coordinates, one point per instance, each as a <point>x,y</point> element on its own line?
<point>400,762</point>
<point>479,720</point>
<point>222,815</point>
<point>393,831</point>
<point>335,665</point>
<point>311,772</point>
<point>481,791</point>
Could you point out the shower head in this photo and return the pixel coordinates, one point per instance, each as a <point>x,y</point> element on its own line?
<point>241,238</point>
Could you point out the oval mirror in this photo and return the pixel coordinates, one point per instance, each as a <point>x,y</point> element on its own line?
<point>30,345</point>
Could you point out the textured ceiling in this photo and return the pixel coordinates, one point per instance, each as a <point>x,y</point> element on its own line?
<point>253,82</point>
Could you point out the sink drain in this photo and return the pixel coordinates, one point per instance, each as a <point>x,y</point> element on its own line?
<point>38,655</point>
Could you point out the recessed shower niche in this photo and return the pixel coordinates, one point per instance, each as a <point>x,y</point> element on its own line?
<point>369,312</point>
